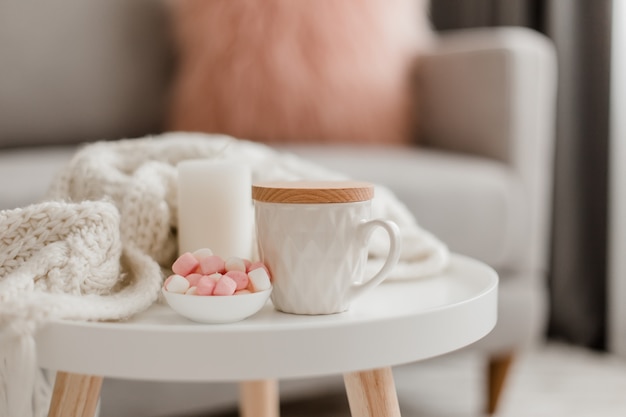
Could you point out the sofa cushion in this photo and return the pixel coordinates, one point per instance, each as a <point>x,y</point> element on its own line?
<point>472,204</point>
<point>26,173</point>
<point>298,71</point>
<point>447,192</point>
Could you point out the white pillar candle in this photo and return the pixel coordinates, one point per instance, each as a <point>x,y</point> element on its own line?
<point>215,207</point>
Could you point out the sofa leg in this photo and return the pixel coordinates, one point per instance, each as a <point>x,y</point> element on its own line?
<point>497,371</point>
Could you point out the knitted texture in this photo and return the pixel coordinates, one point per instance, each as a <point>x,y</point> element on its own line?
<point>54,249</point>
<point>97,248</point>
<point>139,175</point>
<point>60,260</point>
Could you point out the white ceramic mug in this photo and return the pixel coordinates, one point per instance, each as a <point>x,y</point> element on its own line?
<point>313,236</point>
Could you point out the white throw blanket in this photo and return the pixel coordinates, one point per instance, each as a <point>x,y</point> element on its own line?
<point>99,246</point>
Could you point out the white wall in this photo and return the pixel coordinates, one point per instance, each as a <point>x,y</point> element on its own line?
<point>617,194</point>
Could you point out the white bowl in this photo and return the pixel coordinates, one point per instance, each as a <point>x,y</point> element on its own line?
<point>217,308</point>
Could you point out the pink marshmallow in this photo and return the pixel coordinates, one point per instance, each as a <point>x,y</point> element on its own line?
<point>225,286</point>
<point>205,286</point>
<point>193,279</point>
<point>241,278</point>
<point>185,264</point>
<point>211,264</point>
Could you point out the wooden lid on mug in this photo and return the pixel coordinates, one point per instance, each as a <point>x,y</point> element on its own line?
<point>312,192</point>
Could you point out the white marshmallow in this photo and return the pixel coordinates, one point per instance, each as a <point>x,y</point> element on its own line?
<point>259,279</point>
<point>177,284</point>
<point>216,276</point>
<point>235,264</point>
<point>191,291</point>
<point>202,253</point>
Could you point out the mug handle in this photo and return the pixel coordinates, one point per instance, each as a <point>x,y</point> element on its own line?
<point>364,231</point>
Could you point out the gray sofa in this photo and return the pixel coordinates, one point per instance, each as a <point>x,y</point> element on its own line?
<point>480,178</point>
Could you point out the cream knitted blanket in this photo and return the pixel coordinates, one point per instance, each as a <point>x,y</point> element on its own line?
<point>97,247</point>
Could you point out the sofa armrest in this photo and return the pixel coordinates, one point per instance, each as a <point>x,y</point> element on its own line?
<point>491,92</point>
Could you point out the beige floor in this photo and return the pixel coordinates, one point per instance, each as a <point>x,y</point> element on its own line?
<point>564,381</point>
<point>557,380</point>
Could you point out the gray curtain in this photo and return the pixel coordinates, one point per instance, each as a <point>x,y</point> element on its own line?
<point>581,31</point>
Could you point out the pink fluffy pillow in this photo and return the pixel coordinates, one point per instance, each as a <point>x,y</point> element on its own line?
<point>297,70</point>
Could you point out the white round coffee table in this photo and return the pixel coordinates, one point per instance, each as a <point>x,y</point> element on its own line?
<point>396,323</point>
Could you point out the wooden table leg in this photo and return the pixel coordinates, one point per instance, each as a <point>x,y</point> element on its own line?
<point>75,395</point>
<point>259,398</point>
<point>372,393</point>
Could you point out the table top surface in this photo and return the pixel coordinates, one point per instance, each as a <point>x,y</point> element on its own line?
<point>395,323</point>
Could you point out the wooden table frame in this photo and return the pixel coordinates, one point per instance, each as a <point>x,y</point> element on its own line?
<point>393,324</point>
<point>370,394</point>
